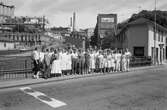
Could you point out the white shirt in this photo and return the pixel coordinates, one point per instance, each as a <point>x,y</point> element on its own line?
<point>74,55</point>
<point>41,56</point>
<point>36,55</point>
<point>128,55</point>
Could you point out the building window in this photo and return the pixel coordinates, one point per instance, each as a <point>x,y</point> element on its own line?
<point>5,44</point>
<point>152,52</point>
<point>163,53</point>
<point>155,33</point>
<point>162,38</point>
<point>25,38</point>
<point>154,37</point>
<point>159,36</point>
<point>139,51</point>
<point>21,37</point>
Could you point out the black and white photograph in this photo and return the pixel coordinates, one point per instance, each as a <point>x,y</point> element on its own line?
<point>83,55</point>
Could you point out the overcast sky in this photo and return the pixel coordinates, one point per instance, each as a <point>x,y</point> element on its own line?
<point>59,11</point>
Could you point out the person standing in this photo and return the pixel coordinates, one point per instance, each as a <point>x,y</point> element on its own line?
<point>36,57</point>
<point>128,57</point>
<point>109,61</point>
<point>96,60</point>
<point>123,61</point>
<point>117,60</point>
<point>74,61</point>
<point>41,62</point>
<point>87,61</point>
<point>112,62</point>
<point>92,61</point>
<point>79,62</point>
<point>82,61</point>
<point>47,59</point>
<point>55,61</point>
<point>69,61</point>
<point>105,62</point>
<point>101,58</point>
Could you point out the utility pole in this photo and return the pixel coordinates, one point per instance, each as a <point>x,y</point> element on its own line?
<point>155,26</point>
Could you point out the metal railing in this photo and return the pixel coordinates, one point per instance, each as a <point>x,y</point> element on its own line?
<point>15,68</point>
<point>21,67</point>
<point>140,61</point>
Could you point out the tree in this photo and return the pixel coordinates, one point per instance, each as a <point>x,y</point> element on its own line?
<point>94,38</point>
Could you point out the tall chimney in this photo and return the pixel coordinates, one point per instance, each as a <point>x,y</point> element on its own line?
<point>74,21</point>
<point>70,21</point>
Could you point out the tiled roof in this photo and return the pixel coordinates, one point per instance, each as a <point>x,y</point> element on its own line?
<point>142,21</point>
<point>146,21</point>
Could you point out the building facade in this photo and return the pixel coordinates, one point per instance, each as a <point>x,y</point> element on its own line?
<point>138,37</point>
<point>78,39</point>
<point>6,11</point>
<point>106,26</point>
<point>10,40</point>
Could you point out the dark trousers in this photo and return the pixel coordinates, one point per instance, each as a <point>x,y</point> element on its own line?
<point>36,66</point>
<point>47,71</point>
<point>74,66</point>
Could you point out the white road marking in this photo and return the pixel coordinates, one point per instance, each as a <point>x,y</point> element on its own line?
<point>36,94</point>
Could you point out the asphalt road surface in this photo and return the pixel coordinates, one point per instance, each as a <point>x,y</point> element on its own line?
<point>140,90</point>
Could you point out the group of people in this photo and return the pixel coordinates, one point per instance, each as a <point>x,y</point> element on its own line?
<point>73,61</point>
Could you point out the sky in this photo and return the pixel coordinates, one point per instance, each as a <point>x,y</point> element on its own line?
<point>58,12</point>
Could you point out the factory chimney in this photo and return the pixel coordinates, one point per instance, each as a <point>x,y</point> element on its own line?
<point>74,21</point>
<point>70,21</point>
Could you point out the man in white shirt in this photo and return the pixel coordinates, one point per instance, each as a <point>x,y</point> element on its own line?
<point>118,61</point>
<point>128,56</point>
<point>74,61</point>
<point>36,57</point>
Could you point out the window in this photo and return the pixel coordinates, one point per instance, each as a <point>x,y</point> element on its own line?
<point>138,51</point>
<point>21,37</point>
<point>162,38</point>
<point>159,35</point>
<point>5,44</point>
<point>13,37</point>
<point>152,52</point>
<point>155,33</point>
<point>25,38</point>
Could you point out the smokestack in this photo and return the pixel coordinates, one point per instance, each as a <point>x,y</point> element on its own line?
<point>74,21</point>
<point>70,21</point>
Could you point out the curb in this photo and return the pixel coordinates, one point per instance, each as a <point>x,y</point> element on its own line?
<point>58,79</point>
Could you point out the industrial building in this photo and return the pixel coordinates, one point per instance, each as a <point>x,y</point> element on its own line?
<point>105,27</point>
<point>19,32</point>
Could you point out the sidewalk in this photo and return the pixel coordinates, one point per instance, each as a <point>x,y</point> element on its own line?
<point>28,82</point>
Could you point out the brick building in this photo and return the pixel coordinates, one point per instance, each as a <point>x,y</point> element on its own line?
<point>106,26</point>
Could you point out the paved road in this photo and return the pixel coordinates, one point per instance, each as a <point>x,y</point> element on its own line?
<point>141,90</point>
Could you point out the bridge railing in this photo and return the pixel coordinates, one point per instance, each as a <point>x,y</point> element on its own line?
<point>21,67</point>
<point>15,67</point>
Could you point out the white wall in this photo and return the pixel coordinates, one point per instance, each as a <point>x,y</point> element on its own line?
<point>9,46</point>
<point>156,43</point>
<point>138,37</point>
